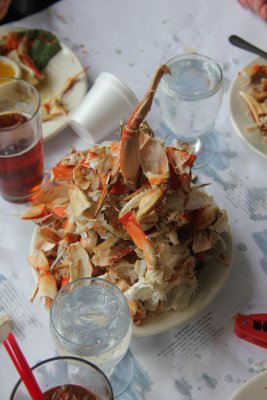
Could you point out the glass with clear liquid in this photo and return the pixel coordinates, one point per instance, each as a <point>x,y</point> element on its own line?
<point>90,318</point>
<point>190,98</point>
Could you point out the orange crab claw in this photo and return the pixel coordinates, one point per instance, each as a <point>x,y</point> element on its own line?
<point>60,211</point>
<point>156,172</point>
<point>62,172</point>
<point>130,146</point>
<point>150,201</point>
<point>64,281</point>
<point>129,160</point>
<point>46,288</point>
<point>135,231</point>
<point>35,212</point>
<point>180,163</point>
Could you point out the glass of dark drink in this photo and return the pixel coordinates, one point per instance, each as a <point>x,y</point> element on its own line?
<point>67,378</point>
<point>21,146</point>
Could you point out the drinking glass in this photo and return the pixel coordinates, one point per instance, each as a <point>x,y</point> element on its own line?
<point>189,99</point>
<point>60,371</point>
<point>21,146</point>
<point>90,318</point>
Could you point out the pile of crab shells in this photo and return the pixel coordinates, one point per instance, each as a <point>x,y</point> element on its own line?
<point>126,211</point>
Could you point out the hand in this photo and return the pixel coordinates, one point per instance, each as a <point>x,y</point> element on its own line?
<point>258,6</point>
<point>4,6</point>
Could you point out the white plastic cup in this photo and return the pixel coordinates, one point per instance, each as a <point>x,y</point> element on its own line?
<point>107,103</point>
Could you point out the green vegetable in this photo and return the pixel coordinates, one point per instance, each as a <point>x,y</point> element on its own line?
<point>42,46</point>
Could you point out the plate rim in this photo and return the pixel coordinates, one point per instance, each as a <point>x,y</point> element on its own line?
<point>65,118</point>
<point>249,382</point>
<point>232,94</point>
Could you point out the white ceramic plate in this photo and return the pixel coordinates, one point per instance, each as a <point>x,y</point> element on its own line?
<point>240,117</point>
<point>212,279</point>
<point>62,66</point>
<point>254,389</point>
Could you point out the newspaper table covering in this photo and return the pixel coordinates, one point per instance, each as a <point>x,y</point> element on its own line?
<point>202,358</point>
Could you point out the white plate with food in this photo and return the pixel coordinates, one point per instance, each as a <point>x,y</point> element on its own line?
<point>142,225</point>
<point>254,388</point>
<point>240,116</point>
<point>61,66</point>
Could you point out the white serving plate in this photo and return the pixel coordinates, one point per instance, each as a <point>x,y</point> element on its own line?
<point>60,68</point>
<point>254,389</point>
<point>240,117</point>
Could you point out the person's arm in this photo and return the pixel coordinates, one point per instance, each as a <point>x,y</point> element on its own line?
<point>4,6</point>
<point>258,6</point>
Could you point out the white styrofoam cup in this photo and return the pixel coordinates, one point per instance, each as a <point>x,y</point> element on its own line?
<point>107,103</point>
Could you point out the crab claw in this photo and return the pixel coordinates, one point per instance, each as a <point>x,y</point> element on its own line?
<point>130,146</point>
<point>62,172</point>
<point>46,288</point>
<point>135,231</point>
<point>156,172</point>
<point>180,162</point>
<point>150,201</point>
<point>35,212</point>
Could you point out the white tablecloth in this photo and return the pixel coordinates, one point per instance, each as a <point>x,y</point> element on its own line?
<point>130,40</point>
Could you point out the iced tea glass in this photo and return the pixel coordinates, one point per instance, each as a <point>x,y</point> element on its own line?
<point>90,318</point>
<point>59,374</point>
<point>21,146</point>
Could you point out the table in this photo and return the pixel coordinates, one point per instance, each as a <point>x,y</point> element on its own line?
<point>130,40</point>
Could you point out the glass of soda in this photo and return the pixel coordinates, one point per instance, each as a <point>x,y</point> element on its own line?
<point>21,146</point>
<point>189,99</point>
<point>68,378</point>
<point>90,318</point>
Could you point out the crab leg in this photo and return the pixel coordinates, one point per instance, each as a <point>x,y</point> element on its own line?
<point>110,179</point>
<point>154,163</point>
<point>180,162</point>
<point>130,146</point>
<point>46,287</point>
<point>135,231</point>
<point>129,159</point>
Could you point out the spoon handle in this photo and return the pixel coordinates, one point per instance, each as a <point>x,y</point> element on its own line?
<point>243,44</point>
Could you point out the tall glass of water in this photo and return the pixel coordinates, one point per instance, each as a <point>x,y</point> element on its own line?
<point>190,98</point>
<point>90,318</point>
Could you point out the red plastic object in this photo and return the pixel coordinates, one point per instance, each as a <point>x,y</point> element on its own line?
<point>22,367</point>
<point>252,328</point>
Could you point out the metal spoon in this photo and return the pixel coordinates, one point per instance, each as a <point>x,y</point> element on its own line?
<point>243,44</point>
